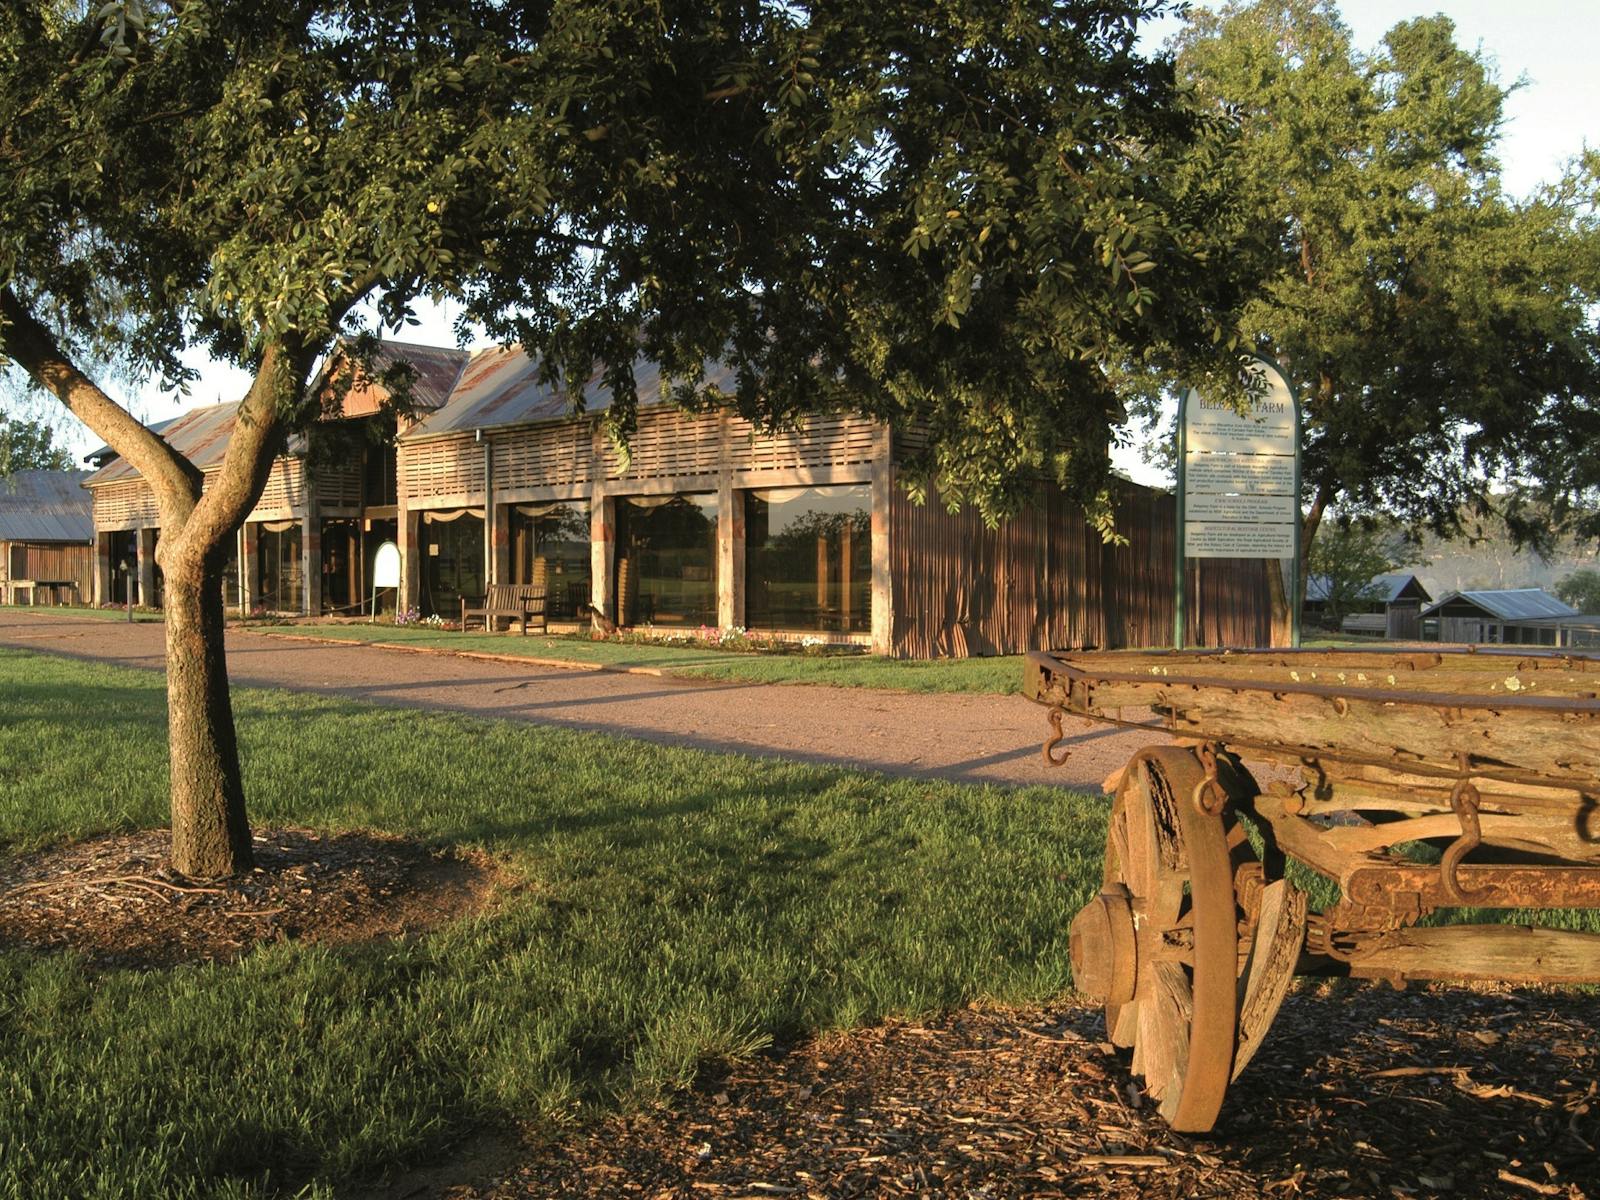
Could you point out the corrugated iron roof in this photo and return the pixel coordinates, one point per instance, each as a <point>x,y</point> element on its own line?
<point>1387,587</point>
<point>1509,604</point>
<point>500,386</point>
<point>437,367</point>
<point>45,506</point>
<point>200,435</point>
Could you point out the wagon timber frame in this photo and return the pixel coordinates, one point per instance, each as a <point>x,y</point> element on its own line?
<point>1410,781</point>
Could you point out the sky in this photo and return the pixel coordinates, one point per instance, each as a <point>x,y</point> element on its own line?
<point>1553,45</point>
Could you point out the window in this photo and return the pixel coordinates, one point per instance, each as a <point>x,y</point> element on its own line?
<point>452,563</point>
<point>667,560</point>
<point>550,548</point>
<point>278,566</point>
<point>808,558</point>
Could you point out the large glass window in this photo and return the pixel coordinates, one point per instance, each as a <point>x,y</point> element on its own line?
<point>808,558</point>
<point>666,569</point>
<point>341,566</point>
<point>550,549</point>
<point>452,565</point>
<point>278,566</point>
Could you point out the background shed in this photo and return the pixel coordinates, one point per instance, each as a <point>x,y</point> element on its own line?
<point>46,532</point>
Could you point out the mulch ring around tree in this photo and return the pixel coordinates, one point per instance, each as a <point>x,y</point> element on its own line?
<point>1359,1092</point>
<point>115,900</point>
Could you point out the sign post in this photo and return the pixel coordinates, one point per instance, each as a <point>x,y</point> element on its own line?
<point>1239,483</point>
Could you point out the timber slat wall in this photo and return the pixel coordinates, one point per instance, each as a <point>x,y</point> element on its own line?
<point>1044,580</point>
<point>561,453</point>
<point>669,443</point>
<point>130,503</point>
<point>440,467</point>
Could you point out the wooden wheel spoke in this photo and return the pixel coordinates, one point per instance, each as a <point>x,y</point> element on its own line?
<point>1164,1017</point>
<point>1173,867</point>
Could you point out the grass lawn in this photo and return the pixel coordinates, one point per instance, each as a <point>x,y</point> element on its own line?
<point>99,614</point>
<point>680,907</point>
<point>1001,674</point>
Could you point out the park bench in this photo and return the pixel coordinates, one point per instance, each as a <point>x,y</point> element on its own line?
<point>522,602</point>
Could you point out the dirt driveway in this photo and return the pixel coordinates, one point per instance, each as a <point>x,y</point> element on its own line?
<point>970,738</point>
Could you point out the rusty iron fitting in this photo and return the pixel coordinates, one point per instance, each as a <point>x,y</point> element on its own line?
<point>1209,796</point>
<point>1464,802</point>
<point>1057,736</point>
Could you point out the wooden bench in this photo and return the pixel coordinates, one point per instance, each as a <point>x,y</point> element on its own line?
<point>515,601</point>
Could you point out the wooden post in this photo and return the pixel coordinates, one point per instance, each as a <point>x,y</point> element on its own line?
<point>311,560</point>
<point>730,553</point>
<point>602,536</point>
<point>882,579</point>
<point>101,587</point>
<point>250,563</point>
<point>410,559</point>
<point>145,572</point>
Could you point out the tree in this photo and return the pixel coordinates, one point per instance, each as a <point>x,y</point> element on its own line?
<point>1343,563</point>
<point>945,213</point>
<point>1581,589</point>
<point>1437,331</point>
<point>30,446</point>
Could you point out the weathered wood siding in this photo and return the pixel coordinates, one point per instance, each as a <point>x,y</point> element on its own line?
<point>668,444</point>
<point>1045,580</point>
<point>48,560</point>
<point>130,504</point>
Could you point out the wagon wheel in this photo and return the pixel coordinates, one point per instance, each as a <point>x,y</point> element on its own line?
<point>1159,945</point>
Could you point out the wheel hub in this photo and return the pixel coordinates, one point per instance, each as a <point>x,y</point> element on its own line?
<point>1104,959</point>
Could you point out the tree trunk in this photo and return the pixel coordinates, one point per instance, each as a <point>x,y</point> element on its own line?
<point>210,833</point>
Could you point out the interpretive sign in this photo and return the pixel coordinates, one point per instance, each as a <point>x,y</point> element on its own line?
<point>1240,494</point>
<point>1239,477</point>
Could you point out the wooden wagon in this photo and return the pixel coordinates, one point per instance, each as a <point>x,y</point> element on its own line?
<point>1413,782</point>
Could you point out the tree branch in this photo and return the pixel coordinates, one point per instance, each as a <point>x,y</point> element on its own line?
<point>174,479</point>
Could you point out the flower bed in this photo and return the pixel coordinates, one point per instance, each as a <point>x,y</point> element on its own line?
<point>734,638</point>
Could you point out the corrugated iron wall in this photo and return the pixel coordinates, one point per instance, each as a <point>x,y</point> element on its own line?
<point>54,561</point>
<point>1044,580</point>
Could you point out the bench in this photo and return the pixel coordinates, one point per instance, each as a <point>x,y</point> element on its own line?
<point>515,601</point>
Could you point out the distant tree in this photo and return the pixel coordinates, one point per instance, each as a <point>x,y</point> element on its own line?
<point>1581,589</point>
<point>30,446</point>
<point>1344,559</point>
<point>1439,333</point>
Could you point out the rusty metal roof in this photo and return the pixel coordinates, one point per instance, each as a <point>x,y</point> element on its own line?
<point>500,386</point>
<point>45,506</point>
<point>437,367</point>
<point>200,435</point>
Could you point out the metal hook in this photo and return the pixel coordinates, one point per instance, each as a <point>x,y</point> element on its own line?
<point>1057,736</point>
<point>1464,803</point>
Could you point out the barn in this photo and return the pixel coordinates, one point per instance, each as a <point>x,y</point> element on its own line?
<point>706,520</point>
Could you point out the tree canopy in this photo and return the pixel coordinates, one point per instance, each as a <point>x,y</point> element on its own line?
<point>30,446</point>
<point>956,214</point>
<point>1438,331</point>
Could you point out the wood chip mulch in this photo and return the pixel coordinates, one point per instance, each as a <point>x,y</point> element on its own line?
<point>115,900</point>
<point>1359,1092</point>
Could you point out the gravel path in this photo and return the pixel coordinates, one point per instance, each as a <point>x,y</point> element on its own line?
<point>970,738</point>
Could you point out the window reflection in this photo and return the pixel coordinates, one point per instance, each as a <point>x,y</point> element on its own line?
<point>452,564</point>
<point>278,566</point>
<point>808,558</point>
<point>550,549</point>
<point>667,560</point>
